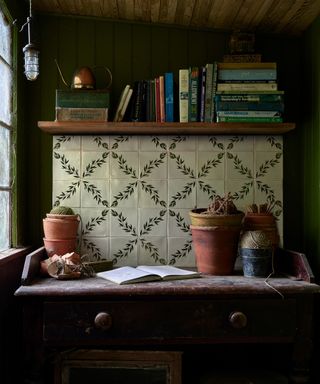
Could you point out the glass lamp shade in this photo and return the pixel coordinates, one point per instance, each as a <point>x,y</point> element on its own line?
<point>31,62</point>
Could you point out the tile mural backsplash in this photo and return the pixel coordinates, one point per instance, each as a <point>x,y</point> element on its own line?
<point>134,193</point>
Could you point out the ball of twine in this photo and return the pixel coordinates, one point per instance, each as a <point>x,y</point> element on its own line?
<point>255,240</point>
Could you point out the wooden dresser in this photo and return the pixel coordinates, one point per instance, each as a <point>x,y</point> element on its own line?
<point>208,314</point>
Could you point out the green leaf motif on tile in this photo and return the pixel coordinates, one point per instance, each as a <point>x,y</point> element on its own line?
<point>124,225</point>
<point>244,191</point>
<point>94,164</point>
<point>71,190</point>
<point>152,249</point>
<point>95,254</point>
<point>181,253</point>
<point>153,192</point>
<point>122,253</point>
<point>93,222</point>
<point>93,190</point>
<point>150,224</point>
<point>99,141</point>
<point>129,189</point>
<point>267,164</point>
<point>208,189</point>
<point>181,223</point>
<point>237,162</point>
<point>187,190</point>
<point>273,142</point>
<point>147,169</point>
<point>187,171</point>
<point>65,163</point>
<point>209,164</point>
<point>127,170</point>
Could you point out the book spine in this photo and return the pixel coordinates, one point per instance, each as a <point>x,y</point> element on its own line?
<point>193,94</point>
<point>251,98</point>
<point>249,113</point>
<point>162,100</point>
<point>247,65</point>
<point>247,87</point>
<point>138,104</point>
<point>247,119</point>
<point>247,74</point>
<point>214,90</point>
<point>247,106</point>
<point>82,99</point>
<point>208,95</point>
<point>125,105</point>
<point>168,86</point>
<point>77,114</point>
<point>157,99</point>
<point>202,95</point>
<point>183,95</point>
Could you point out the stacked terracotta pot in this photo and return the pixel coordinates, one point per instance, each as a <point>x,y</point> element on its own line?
<point>60,233</point>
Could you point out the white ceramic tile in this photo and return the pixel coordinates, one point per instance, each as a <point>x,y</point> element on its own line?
<point>180,252</point>
<point>153,193</point>
<point>94,222</point>
<point>239,143</point>
<point>66,143</point>
<point>211,165</point>
<point>94,193</point>
<point>124,223</point>
<point>152,250</point>
<point>124,143</point>
<point>66,193</point>
<point>153,143</point>
<point>240,166</point>
<point>153,165</point>
<point>123,251</point>
<point>95,143</point>
<point>124,193</point>
<point>268,165</point>
<point>209,143</point>
<point>207,190</point>
<point>95,165</point>
<point>95,248</point>
<point>182,143</point>
<point>66,165</point>
<point>268,143</point>
<point>124,165</point>
<point>179,222</point>
<point>182,165</point>
<point>181,193</point>
<point>152,222</point>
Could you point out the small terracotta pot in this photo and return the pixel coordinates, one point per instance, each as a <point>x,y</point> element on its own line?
<point>215,248</point>
<point>200,218</point>
<point>60,228</point>
<point>60,246</point>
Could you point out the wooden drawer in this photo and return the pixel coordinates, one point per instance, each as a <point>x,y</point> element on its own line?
<point>163,321</point>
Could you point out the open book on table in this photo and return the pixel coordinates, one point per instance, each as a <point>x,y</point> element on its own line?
<point>142,273</point>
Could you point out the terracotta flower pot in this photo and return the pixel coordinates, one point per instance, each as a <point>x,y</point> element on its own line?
<point>60,246</point>
<point>60,228</point>
<point>215,241</point>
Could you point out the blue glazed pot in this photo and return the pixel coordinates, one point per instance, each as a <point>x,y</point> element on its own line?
<point>256,262</point>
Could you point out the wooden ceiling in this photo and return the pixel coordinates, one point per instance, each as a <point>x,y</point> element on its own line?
<point>266,16</point>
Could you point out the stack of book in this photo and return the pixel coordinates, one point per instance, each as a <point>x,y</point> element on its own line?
<point>79,104</point>
<point>248,92</point>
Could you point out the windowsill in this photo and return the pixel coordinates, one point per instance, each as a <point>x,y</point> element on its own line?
<point>13,253</point>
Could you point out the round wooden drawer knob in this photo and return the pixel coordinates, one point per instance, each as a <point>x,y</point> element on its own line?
<point>103,321</point>
<point>238,320</point>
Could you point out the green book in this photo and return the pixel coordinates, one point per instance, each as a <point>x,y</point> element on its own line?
<point>79,98</point>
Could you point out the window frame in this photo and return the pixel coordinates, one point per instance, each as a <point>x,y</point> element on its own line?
<point>13,232</point>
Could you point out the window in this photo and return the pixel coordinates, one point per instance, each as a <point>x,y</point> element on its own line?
<point>6,128</point>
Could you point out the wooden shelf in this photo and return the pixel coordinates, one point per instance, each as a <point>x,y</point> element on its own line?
<point>153,128</point>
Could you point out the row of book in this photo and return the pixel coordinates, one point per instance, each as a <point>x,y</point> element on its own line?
<point>215,92</point>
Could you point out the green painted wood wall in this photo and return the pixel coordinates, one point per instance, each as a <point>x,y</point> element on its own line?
<point>133,52</point>
<point>310,146</point>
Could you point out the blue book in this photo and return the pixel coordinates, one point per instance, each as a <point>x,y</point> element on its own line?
<point>247,74</point>
<point>168,87</point>
<point>247,106</point>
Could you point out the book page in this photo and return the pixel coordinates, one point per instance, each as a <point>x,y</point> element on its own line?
<point>127,275</point>
<point>168,272</point>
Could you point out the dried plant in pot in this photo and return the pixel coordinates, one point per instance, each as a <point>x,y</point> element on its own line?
<point>60,229</point>
<point>215,235</point>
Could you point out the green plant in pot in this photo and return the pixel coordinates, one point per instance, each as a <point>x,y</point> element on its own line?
<point>60,229</point>
<point>215,235</point>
